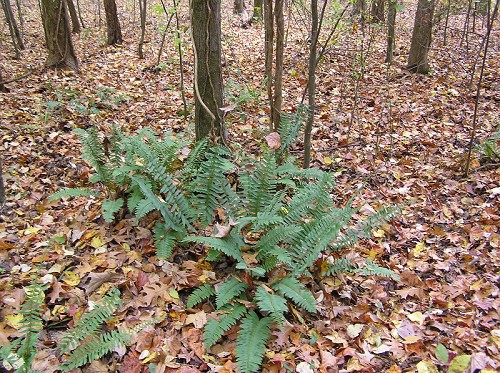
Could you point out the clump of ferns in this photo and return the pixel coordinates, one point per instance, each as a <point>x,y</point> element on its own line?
<point>80,345</point>
<point>280,221</point>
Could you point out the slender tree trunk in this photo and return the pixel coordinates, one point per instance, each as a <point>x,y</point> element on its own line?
<point>21,18</point>
<point>421,37</point>
<point>80,13</point>
<point>75,23</point>
<point>207,47</point>
<point>269,53</point>
<point>58,35</point>
<point>478,89</point>
<point>391,21</point>
<point>142,12</point>
<point>311,82</point>
<point>377,11</point>
<point>278,73</point>
<point>445,37</point>
<point>114,30</point>
<point>17,40</point>
<point>257,9</point>
<point>359,8</point>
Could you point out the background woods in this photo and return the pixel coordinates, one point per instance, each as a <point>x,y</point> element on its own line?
<point>154,214</point>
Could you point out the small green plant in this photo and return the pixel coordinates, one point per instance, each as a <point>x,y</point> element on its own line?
<point>80,345</point>
<point>489,149</point>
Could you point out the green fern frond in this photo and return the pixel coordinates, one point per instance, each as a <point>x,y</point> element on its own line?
<point>164,241</point>
<point>32,322</point>
<point>200,294</point>
<point>289,128</point>
<point>72,192</point>
<point>231,246</point>
<point>91,321</point>
<point>291,288</point>
<point>272,303</point>
<point>229,290</point>
<point>94,152</point>
<point>259,186</point>
<point>214,329</point>
<point>171,220</point>
<point>251,342</point>
<point>340,265</point>
<point>94,347</point>
<point>110,208</point>
<point>208,187</point>
<point>373,269</point>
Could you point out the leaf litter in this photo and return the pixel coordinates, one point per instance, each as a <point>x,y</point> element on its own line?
<point>403,142</point>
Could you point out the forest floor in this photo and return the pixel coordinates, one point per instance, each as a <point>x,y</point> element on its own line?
<point>405,140</point>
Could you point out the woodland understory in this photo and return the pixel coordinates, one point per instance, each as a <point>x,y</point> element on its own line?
<point>390,138</point>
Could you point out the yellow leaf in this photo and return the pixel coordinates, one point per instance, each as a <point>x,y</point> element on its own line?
<point>31,230</point>
<point>71,278</point>
<point>150,357</point>
<point>426,367</point>
<point>411,339</point>
<point>417,250</point>
<point>459,364</point>
<point>96,242</point>
<point>417,317</point>
<point>476,285</point>
<point>327,160</point>
<point>379,233</point>
<point>14,321</point>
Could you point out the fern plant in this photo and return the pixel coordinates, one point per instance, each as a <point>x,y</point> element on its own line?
<point>280,221</point>
<point>81,344</point>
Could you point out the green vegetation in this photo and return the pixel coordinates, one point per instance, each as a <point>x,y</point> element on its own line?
<point>80,345</point>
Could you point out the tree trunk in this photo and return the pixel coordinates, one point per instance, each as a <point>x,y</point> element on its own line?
<point>377,11</point>
<point>391,21</point>
<point>359,7</point>
<point>241,10</point>
<point>74,17</point>
<point>142,12</point>
<point>278,72</point>
<point>57,35</point>
<point>17,40</point>
<point>257,9</point>
<point>112,23</point>
<point>80,13</point>
<point>421,37</point>
<point>206,31</point>
<point>3,89</point>
<point>269,52</point>
<point>311,82</point>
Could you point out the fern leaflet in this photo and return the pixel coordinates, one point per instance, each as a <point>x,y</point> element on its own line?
<point>214,329</point>
<point>272,303</point>
<point>201,293</point>
<point>229,290</point>
<point>291,288</point>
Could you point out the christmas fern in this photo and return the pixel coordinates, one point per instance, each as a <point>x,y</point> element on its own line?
<point>91,322</point>
<point>251,343</point>
<point>228,317</point>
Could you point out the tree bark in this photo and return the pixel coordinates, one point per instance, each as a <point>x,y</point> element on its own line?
<point>75,23</point>
<point>142,11</point>
<point>421,38</point>
<point>377,11</point>
<point>17,40</point>
<point>278,73</point>
<point>391,21</point>
<point>114,30</point>
<point>57,35</point>
<point>207,46</point>
<point>311,82</point>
